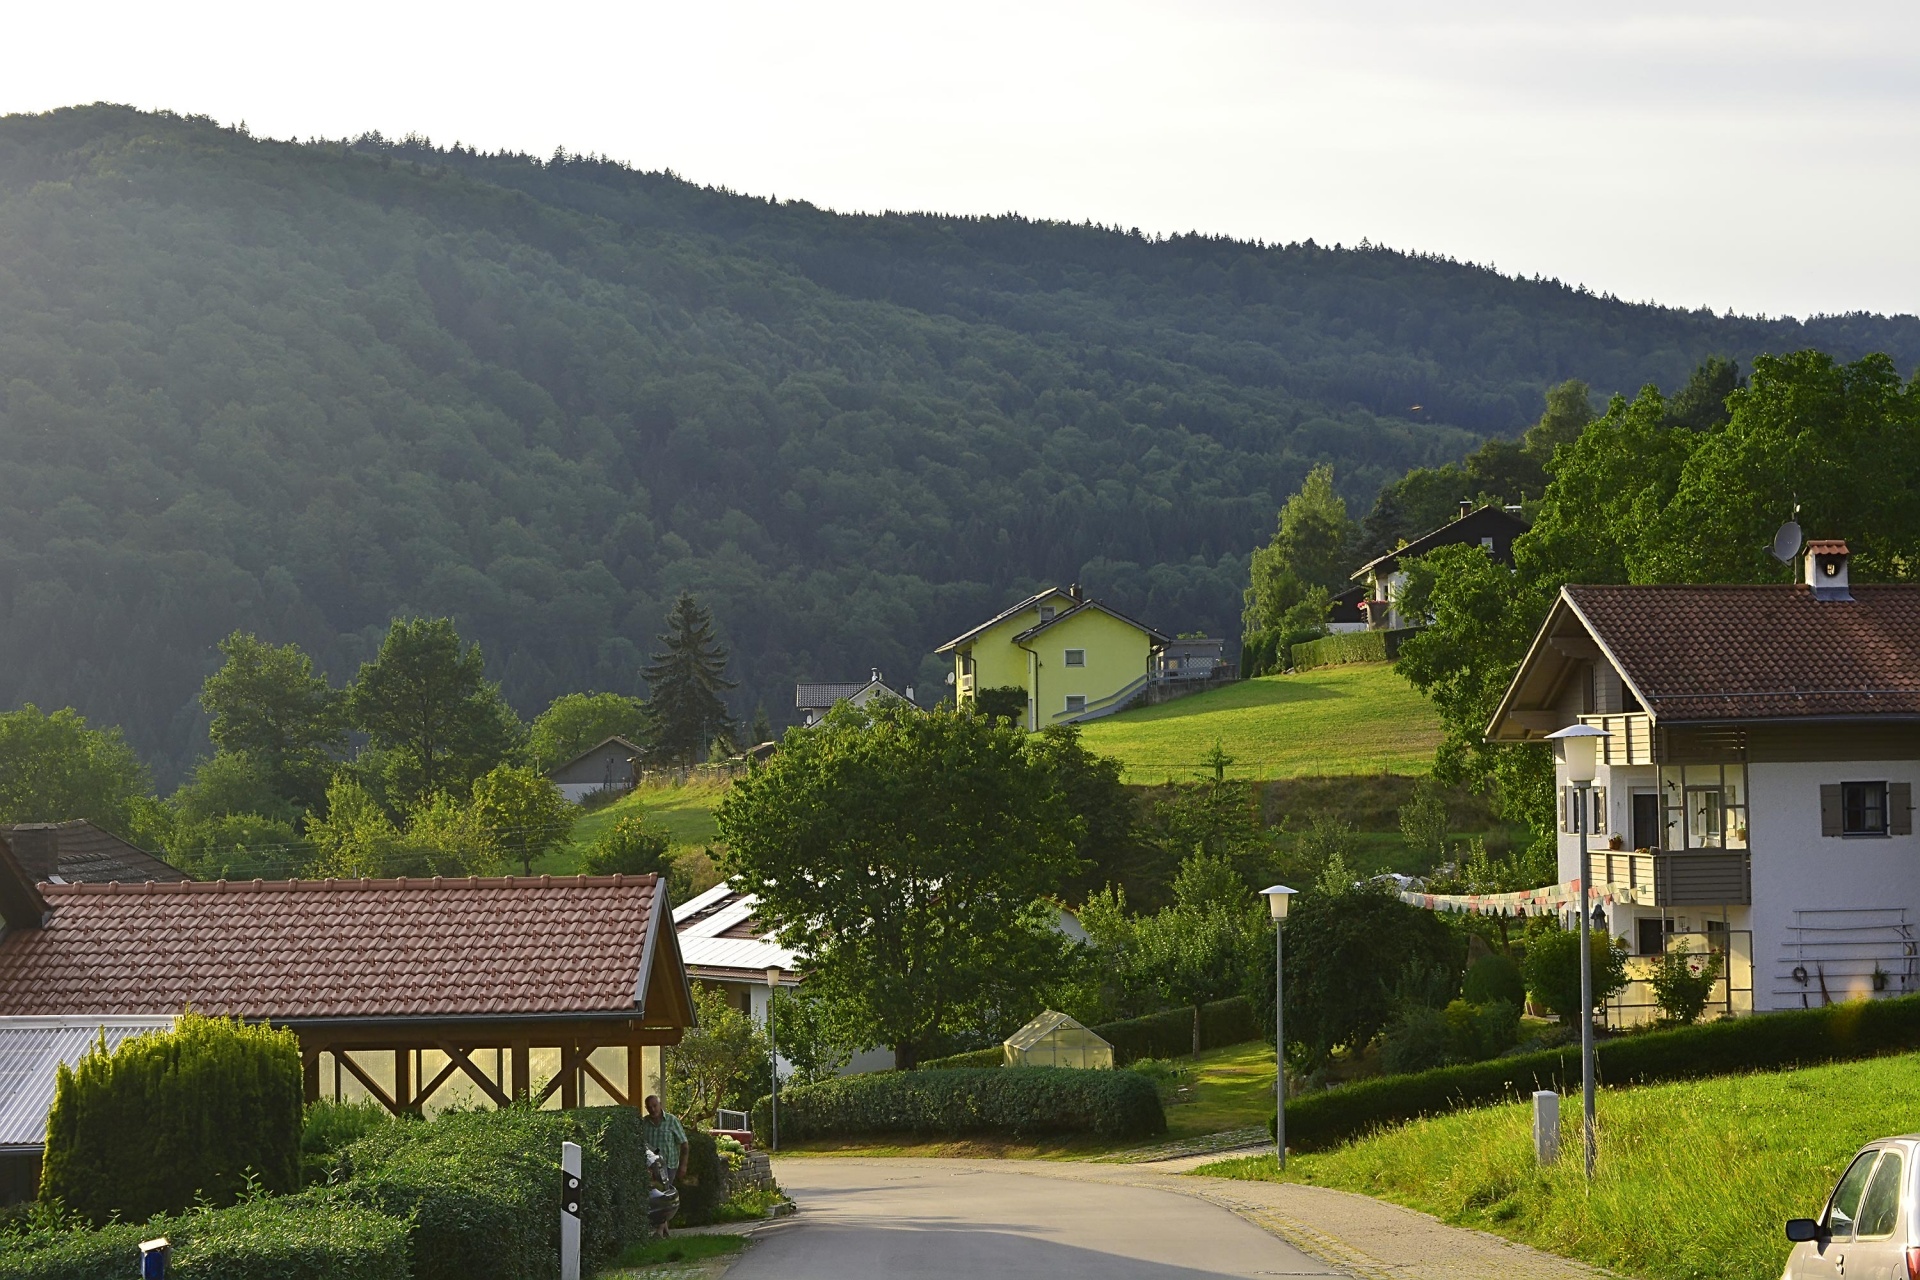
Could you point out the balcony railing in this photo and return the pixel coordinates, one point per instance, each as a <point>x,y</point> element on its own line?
<point>1629,737</point>
<point>1677,878</point>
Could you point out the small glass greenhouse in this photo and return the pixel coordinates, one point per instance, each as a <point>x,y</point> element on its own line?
<point>1055,1040</point>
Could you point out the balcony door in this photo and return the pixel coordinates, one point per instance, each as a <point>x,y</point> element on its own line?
<point>1646,820</point>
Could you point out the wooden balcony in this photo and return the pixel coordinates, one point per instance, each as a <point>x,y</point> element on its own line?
<point>1678,878</point>
<point>1629,737</point>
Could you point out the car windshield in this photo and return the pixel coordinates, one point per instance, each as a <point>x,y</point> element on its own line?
<point>1846,1197</point>
<point>1880,1207</point>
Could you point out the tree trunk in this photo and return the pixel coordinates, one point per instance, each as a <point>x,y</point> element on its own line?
<point>1196,1031</point>
<point>905,1057</point>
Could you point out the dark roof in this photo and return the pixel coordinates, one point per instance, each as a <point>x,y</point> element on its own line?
<point>1081,608</point>
<point>810,696</point>
<point>1725,653</point>
<point>503,948</point>
<point>1482,522</point>
<point>78,852</point>
<point>1002,616</point>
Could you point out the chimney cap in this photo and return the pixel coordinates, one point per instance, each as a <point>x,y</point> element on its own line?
<point>1828,547</point>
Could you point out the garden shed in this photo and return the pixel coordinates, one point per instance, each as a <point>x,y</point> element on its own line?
<point>1055,1040</point>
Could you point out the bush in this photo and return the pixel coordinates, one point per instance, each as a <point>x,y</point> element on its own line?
<point>329,1128</point>
<point>1762,1042</point>
<point>994,1056</point>
<point>175,1117</point>
<point>1479,1031</point>
<point>1008,1101</point>
<point>1553,969</point>
<point>1683,983</point>
<point>481,1188</point>
<point>1341,647</point>
<point>706,1176</point>
<point>633,846</point>
<point>264,1239</point>
<point>1416,1040</point>
<point>1007,701</point>
<point>1494,977</point>
<point>1170,1034</point>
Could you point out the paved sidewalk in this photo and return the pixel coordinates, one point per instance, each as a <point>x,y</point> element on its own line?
<point>1364,1237</point>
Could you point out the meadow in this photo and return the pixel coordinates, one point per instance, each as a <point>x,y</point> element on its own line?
<point>1694,1179</point>
<point>1362,718</point>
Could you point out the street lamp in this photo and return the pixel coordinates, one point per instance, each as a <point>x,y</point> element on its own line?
<point>1277,896</point>
<point>1578,749</point>
<point>773,1046</point>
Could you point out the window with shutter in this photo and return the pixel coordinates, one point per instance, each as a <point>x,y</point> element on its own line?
<point>1599,827</point>
<point>1829,808</point>
<point>1900,808</point>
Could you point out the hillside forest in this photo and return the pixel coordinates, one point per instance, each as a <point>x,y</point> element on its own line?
<point>297,390</point>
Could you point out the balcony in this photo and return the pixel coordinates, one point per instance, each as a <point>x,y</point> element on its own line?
<point>966,686</point>
<point>1629,737</point>
<point>1677,877</point>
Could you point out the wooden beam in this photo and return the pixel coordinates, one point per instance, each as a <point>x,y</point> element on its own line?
<point>570,1076</point>
<point>402,1079</point>
<point>522,1072</point>
<point>569,1066</point>
<point>427,1090</point>
<point>636,1073</point>
<point>353,1069</point>
<point>310,1073</point>
<point>479,1077</point>
<point>586,1064</point>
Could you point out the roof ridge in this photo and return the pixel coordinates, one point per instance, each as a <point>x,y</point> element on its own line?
<point>362,884</point>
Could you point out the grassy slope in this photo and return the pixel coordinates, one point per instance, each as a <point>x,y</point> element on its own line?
<point>1694,1179</point>
<point>1337,720</point>
<point>686,812</point>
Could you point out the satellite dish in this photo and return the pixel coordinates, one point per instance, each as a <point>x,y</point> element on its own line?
<point>1786,543</point>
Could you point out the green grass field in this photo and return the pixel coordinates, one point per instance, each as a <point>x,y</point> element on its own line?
<point>1362,718</point>
<point>1694,1179</point>
<point>685,811</point>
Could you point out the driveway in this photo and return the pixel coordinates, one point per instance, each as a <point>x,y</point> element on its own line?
<point>969,1219</point>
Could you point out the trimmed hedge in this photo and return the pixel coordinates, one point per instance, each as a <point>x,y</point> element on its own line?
<point>1340,647</point>
<point>482,1189</point>
<point>175,1117</point>
<point>992,1056</point>
<point>1170,1034</point>
<point>1009,1101</point>
<point>1763,1042</point>
<point>264,1239</point>
<point>700,1189</point>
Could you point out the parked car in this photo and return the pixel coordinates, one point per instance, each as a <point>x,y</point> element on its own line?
<point>1868,1230</point>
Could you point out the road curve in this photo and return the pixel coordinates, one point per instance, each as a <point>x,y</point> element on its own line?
<point>940,1220</point>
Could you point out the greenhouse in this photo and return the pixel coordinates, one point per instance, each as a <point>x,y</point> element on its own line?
<point>1055,1040</point>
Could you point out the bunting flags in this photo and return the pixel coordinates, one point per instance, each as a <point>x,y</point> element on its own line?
<point>1549,900</point>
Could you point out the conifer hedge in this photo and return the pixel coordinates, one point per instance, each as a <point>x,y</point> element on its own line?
<point>173,1118</point>
<point>1008,1101</point>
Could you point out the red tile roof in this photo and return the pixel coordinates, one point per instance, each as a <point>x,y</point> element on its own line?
<point>1761,652</point>
<point>292,950</point>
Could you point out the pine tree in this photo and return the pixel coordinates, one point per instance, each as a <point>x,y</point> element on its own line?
<point>685,681</point>
<point>762,730</point>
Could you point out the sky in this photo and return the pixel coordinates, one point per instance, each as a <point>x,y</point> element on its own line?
<point>1760,157</point>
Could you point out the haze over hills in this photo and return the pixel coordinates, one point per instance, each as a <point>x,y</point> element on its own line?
<point>300,388</point>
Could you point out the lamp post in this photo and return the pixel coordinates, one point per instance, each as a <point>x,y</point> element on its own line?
<point>1578,747</point>
<point>773,1046</point>
<point>1277,896</point>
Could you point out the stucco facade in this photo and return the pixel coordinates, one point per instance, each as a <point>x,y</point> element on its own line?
<point>1075,658</point>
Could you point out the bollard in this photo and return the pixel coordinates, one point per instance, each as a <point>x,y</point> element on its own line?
<point>570,1211</point>
<point>1546,1126</point>
<point>155,1255</point>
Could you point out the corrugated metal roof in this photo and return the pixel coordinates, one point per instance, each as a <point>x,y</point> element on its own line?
<point>752,956</point>
<point>31,1051</point>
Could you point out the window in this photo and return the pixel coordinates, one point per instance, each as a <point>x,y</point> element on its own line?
<point>1863,808</point>
<point>1076,657</point>
<point>1650,936</point>
<point>1846,1196</point>
<point>1486,544</point>
<point>1076,702</point>
<point>1880,1206</point>
<point>1046,613</point>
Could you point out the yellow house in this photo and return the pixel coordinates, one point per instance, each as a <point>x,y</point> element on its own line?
<point>1076,658</point>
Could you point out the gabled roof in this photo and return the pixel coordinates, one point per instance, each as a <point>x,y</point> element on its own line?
<point>32,1050</point>
<point>78,852</point>
<point>818,697</point>
<point>354,950</point>
<point>720,937</point>
<point>1476,524</point>
<point>1702,654</point>
<point>998,618</point>
<point>616,740</point>
<point>1082,608</point>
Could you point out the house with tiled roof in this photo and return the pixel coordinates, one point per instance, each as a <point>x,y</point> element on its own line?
<point>1754,791</point>
<point>1072,657</point>
<point>611,766</point>
<point>77,852</point>
<point>1489,527</point>
<point>813,699</point>
<point>417,993</point>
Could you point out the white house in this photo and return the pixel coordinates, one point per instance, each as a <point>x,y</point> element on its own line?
<point>1755,788</point>
<point>814,700</point>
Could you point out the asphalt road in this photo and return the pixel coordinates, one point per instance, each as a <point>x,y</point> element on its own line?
<point>930,1220</point>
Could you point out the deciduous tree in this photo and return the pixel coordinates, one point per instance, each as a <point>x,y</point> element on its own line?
<point>268,703</point>
<point>426,701</point>
<point>54,767</point>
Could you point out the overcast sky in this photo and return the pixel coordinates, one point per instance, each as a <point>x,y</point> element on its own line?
<point>1762,157</point>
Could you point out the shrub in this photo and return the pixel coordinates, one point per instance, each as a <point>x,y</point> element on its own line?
<point>174,1117</point>
<point>1683,983</point>
<point>633,846</point>
<point>994,1056</point>
<point>1553,969</point>
<point>1494,977</point>
<point>1170,1034</point>
<point>1341,647</point>
<point>1007,701</point>
<point>1479,1031</point>
<point>1416,1040</point>
<point>329,1128</point>
<point>1763,1042</point>
<point>1010,1101</point>
<point>706,1178</point>
<point>264,1239</point>
<point>481,1188</point>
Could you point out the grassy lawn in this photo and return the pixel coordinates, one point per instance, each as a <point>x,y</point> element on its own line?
<point>676,1255</point>
<point>685,811</point>
<point>1353,719</point>
<point>1232,1089</point>
<point>1694,1179</point>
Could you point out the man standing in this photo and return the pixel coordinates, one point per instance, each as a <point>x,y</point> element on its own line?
<point>662,1133</point>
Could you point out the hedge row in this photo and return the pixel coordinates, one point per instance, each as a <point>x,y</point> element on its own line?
<point>1763,1042</point>
<point>1170,1034</point>
<point>992,1056</point>
<point>266,1239</point>
<point>1341,647</point>
<point>1008,1101</point>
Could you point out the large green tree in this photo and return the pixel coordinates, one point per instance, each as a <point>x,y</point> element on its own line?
<point>907,856</point>
<point>685,680</point>
<point>55,767</point>
<point>577,722</point>
<point>527,815</point>
<point>268,703</point>
<point>426,703</point>
<point>1311,549</point>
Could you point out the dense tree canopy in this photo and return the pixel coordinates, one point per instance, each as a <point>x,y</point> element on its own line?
<point>435,721</point>
<point>300,389</point>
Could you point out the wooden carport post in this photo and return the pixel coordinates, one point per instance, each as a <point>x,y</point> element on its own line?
<point>522,1071</point>
<point>310,1072</point>
<point>636,1073</point>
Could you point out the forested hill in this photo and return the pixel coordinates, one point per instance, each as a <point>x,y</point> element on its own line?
<point>301,388</point>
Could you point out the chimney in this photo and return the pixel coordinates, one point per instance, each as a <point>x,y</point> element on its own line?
<point>1466,507</point>
<point>876,675</point>
<point>36,847</point>
<point>1827,569</point>
<point>21,906</point>
<point>1075,593</point>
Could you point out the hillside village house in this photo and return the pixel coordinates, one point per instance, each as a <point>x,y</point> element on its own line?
<point>1075,658</point>
<point>814,700</point>
<point>612,765</point>
<point>77,852</point>
<point>1755,787</point>
<point>1489,527</point>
